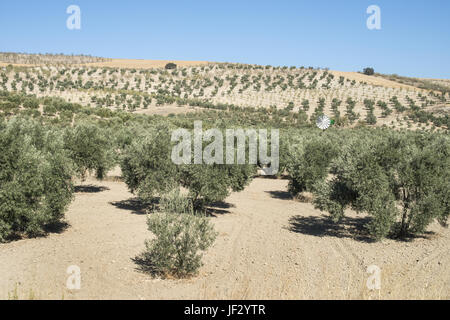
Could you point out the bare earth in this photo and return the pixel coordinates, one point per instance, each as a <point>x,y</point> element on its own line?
<point>269,247</point>
<point>373,80</point>
<point>143,64</point>
<point>126,63</point>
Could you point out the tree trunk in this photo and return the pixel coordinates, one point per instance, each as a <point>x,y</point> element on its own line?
<point>404,225</point>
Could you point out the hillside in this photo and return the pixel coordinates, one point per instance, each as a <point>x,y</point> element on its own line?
<point>144,86</point>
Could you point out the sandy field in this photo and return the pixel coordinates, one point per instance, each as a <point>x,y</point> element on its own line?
<point>165,110</point>
<point>144,64</point>
<point>128,63</point>
<point>374,80</point>
<point>269,247</point>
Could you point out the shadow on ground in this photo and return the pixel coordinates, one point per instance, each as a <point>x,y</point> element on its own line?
<point>219,208</point>
<point>144,265</point>
<point>283,195</point>
<point>89,189</point>
<point>272,177</point>
<point>134,205</point>
<point>349,227</point>
<point>55,227</point>
<point>323,226</point>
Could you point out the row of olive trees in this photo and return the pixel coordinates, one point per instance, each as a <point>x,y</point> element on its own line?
<point>149,171</point>
<point>400,179</point>
<point>35,178</point>
<point>38,164</point>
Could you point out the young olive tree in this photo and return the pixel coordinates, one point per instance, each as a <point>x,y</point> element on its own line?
<point>176,248</point>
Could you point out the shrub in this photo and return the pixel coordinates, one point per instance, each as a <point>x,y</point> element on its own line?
<point>30,103</point>
<point>35,178</point>
<point>371,118</point>
<point>305,105</point>
<point>146,164</point>
<point>175,202</point>
<point>308,162</point>
<point>148,170</point>
<point>212,183</point>
<point>90,148</point>
<point>178,239</point>
<point>400,179</point>
<point>170,66</point>
<point>369,71</point>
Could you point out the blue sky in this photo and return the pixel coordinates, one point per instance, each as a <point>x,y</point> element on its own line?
<point>414,39</point>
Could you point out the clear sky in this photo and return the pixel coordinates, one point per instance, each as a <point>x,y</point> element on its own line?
<point>414,39</point>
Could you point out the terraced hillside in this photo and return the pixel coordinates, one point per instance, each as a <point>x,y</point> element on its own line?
<point>146,87</point>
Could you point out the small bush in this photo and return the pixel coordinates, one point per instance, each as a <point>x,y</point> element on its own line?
<point>170,66</point>
<point>369,71</point>
<point>178,240</point>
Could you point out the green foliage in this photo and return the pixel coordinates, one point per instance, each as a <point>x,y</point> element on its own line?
<point>170,66</point>
<point>175,202</point>
<point>369,71</point>
<point>176,249</point>
<point>147,167</point>
<point>400,179</point>
<point>35,178</point>
<point>90,148</point>
<point>308,162</point>
<point>212,183</point>
<point>148,170</point>
<point>96,136</point>
<point>305,105</point>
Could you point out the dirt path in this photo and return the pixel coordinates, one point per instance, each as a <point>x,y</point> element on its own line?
<point>269,247</point>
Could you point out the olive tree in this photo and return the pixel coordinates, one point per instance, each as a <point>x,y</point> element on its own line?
<point>149,171</point>
<point>211,183</point>
<point>178,243</point>
<point>402,180</point>
<point>308,161</point>
<point>146,164</point>
<point>35,178</point>
<point>91,149</point>
<point>369,71</point>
